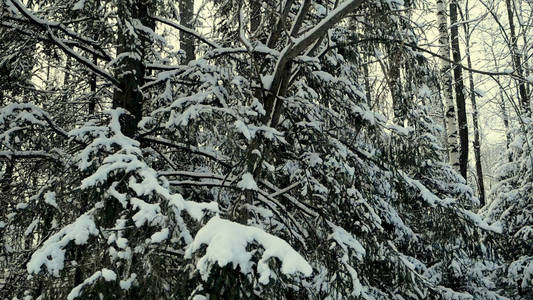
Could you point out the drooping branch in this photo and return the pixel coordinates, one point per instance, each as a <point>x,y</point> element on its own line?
<point>47,25</point>
<point>31,154</point>
<point>186,30</point>
<point>84,61</point>
<point>32,18</point>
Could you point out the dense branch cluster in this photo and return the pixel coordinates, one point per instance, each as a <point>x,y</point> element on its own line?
<point>253,161</point>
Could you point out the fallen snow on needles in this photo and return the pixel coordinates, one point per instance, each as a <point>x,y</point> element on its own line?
<point>226,243</point>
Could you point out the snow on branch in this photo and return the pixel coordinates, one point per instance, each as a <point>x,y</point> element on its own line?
<point>433,200</point>
<point>127,158</point>
<point>48,25</point>
<point>107,274</point>
<point>16,117</point>
<point>52,252</point>
<point>29,155</point>
<point>15,6</point>
<point>226,243</point>
<point>347,241</point>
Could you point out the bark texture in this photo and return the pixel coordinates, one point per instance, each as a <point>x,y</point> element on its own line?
<point>459,91</point>
<point>447,90</point>
<point>131,69</point>
<point>186,8</point>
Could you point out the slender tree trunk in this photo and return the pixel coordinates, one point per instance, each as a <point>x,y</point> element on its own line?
<point>92,101</point>
<point>47,84</point>
<point>186,8</point>
<point>395,85</point>
<point>459,91</point>
<point>524,97</point>
<point>505,119</point>
<point>475,115</point>
<point>68,65</point>
<point>526,67</point>
<point>441,118</point>
<point>445,71</point>
<point>368,93</point>
<point>477,141</point>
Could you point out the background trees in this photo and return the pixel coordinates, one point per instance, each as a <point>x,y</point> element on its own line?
<point>284,149</point>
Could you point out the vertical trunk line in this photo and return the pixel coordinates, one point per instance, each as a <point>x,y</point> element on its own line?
<point>447,91</point>
<point>459,91</point>
<point>524,99</point>
<point>186,8</point>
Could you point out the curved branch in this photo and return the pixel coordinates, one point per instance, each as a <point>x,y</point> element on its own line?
<point>45,23</point>
<point>186,30</point>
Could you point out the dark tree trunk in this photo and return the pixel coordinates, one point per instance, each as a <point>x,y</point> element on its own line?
<point>459,91</point>
<point>92,101</point>
<point>131,69</point>
<point>367,83</point>
<point>186,8</point>
<point>475,115</point>
<point>477,141</point>
<point>524,98</point>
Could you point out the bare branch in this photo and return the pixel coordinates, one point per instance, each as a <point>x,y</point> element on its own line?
<point>186,30</point>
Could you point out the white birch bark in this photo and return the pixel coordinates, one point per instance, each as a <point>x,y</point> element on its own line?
<point>446,75</point>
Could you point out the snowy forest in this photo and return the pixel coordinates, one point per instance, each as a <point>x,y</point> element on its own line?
<point>266,149</point>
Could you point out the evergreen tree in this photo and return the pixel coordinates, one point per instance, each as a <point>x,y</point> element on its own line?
<point>257,170</point>
<point>512,209</point>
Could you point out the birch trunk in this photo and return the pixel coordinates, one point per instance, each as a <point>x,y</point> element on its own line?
<point>505,119</point>
<point>445,71</point>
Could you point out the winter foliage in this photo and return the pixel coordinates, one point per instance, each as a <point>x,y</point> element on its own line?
<point>266,167</point>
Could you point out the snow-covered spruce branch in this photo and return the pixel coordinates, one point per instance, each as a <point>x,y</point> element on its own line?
<point>30,154</point>
<point>224,181</point>
<point>47,25</point>
<point>227,241</point>
<point>56,25</point>
<point>45,38</point>
<point>203,175</point>
<point>83,60</point>
<point>35,115</point>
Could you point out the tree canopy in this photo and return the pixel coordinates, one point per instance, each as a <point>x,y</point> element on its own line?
<point>238,150</point>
